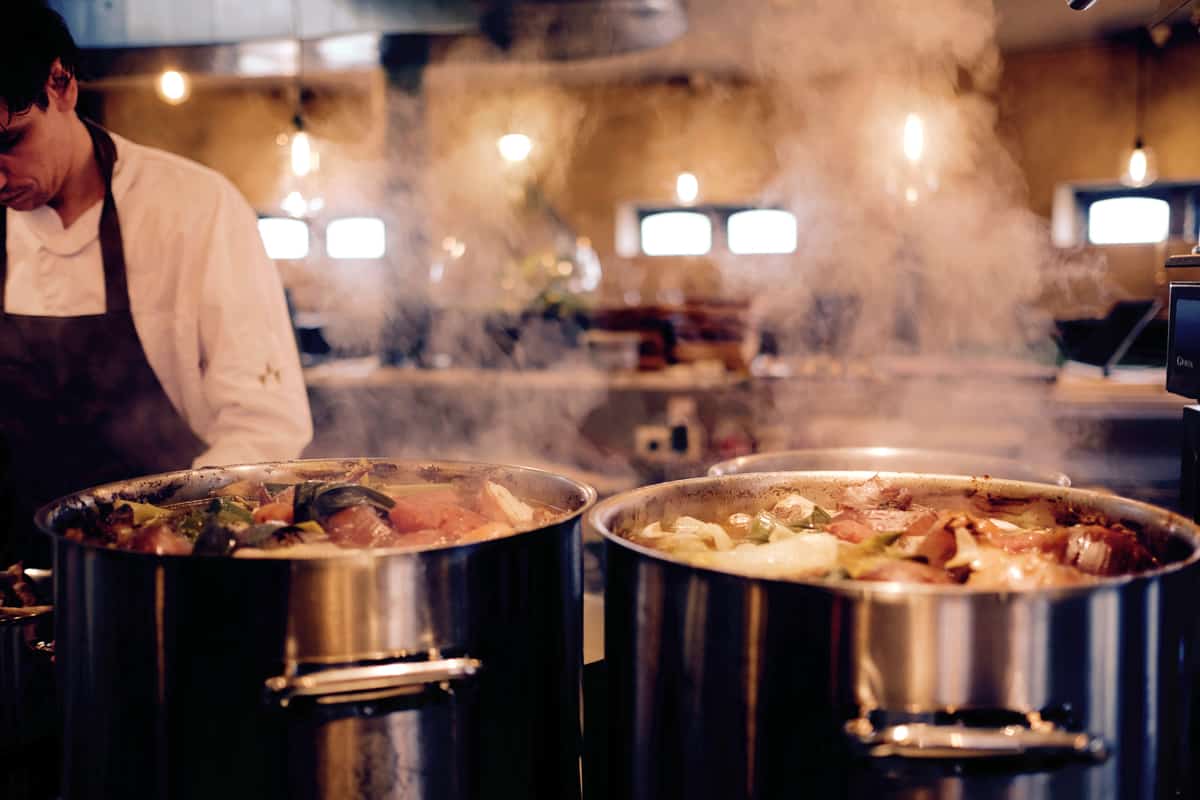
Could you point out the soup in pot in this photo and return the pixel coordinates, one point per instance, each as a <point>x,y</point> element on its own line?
<point>252,519</point>
<point>877,532</point>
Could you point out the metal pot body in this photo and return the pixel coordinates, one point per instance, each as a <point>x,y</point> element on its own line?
<point>727,686</point>
<point>892,459</point>
<point>28,701</point>
<point>448,673</point>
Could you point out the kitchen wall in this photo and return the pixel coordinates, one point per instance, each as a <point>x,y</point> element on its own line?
<point>1068,115</point>
<point>596,147</point>
<point>241,130</point>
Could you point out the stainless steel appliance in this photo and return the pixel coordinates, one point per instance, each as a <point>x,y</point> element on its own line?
<point>892,459</point>
<point>447,673</point>
<point>726,686</point>
<point>1183,374</point>
<point>28,713</point>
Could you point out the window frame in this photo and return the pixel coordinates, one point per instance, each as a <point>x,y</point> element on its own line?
<point>308,228</point>
<point>718,214</point>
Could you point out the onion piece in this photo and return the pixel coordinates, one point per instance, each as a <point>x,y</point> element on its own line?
<point>740,523</point>
<point>813,554</point>
<point>966,549</point>
<point>653,531</point>
<point>709,531</point>
<point>516,512</point>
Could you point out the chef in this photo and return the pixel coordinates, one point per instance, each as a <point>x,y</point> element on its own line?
<point>142,326</point>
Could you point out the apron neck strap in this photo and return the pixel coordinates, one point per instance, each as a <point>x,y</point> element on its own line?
<point>112,251</point>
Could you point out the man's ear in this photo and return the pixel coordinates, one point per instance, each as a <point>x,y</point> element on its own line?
<point>61,87</point>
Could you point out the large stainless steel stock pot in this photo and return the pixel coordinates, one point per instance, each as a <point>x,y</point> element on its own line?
<point>440,673</point>
<point>28,708</point>
<point>727,686</point>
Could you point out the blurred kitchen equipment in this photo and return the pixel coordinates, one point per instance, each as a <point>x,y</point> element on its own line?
<point>444,673</point>
<point>1130,332</point>
<point>613,350</point>
<point>725,686</point>
<point>566,29</point>
<point>28,703</point>
<point>719,332</point>
<point>892,459</point>
<point>1183,377</point>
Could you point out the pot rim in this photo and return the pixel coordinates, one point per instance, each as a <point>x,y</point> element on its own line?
<point>237,472</point>
<point>596,521</point>
<point>745,464</point>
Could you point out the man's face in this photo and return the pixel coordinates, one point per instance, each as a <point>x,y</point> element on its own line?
<point>35,153</point>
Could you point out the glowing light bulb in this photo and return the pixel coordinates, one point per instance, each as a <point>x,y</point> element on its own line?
<point>302,154</point>
<point>1137,165</point>
<point>911,195</point>
<point>1140,167</point>
<point>687,187</point>
<point>173,86</point>
<point>914,138</point>
<point>294,204</point>
<point>514,147</point>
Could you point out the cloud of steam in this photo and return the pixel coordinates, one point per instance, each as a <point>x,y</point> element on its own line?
<point>937,266</point>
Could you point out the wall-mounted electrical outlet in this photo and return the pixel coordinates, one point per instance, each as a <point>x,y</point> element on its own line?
<point>652,442</point>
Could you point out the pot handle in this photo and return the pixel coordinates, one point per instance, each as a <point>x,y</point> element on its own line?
<point>928,741</point>
<point>376,681</point>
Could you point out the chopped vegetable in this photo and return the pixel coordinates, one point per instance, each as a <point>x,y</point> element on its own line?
<point>142,512</point>
<point>966,548</point>
<point>512,509</point>
<point>858,559</point>
<point>884,533</point>
<point>319,515</point>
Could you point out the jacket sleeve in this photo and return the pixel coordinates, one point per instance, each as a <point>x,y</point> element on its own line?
<point>250,367</point>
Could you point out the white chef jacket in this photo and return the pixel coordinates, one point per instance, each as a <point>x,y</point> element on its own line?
<point>206,301</point>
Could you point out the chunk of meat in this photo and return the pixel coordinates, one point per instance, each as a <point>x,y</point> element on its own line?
<point>1000,570</point>
<point>899,571</point>
<point>361,526</point>
<point>915,521</point>
<point>160,539</point>
<point>1051,541</point>
<point>434,511</point>
<point>851,526</point>
<point>938,546</point>
<point>875,493</point>
<point>1100,550</point>
<point>274,512</point>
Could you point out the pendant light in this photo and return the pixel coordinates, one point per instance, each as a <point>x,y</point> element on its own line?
<point>302,157</point>
<point>1139,165</point>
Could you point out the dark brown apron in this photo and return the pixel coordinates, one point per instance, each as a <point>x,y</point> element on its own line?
<point>79,403</point>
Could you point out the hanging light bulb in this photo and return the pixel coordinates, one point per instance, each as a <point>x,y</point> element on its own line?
<point>514,147</point>
<point>173,86</point>
<point>687,188</point>
<point>295,205</point>
<point>1139,166</point>
<point>914,138</point>
<point>302,154</point>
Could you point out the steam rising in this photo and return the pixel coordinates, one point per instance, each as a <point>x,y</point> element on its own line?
<point>914,312</point>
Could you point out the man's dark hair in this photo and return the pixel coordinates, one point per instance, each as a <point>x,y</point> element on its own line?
<point>32,37</point>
